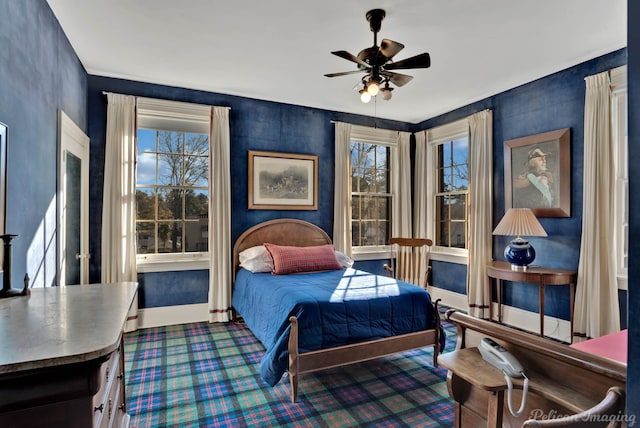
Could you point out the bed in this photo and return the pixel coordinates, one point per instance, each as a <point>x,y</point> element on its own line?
<point>323,319</point>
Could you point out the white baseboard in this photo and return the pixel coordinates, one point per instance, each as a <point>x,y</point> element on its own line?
<point>555,328</point>
<point>172,315</point>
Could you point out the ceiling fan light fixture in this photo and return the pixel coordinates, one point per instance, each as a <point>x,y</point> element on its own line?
<point>373,87</point>
<point>386,93</point>
<point>365,97</point>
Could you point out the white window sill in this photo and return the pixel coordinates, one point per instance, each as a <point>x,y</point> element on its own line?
<point>450,255</point>
<point>172,263</point>
<point>371,253</point>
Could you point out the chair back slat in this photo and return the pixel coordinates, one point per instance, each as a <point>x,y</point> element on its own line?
<point>410,260</point>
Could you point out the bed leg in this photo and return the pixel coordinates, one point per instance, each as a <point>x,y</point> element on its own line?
<point>436,346</point>
<point>293,358</point>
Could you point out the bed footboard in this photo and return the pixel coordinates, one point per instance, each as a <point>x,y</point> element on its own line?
<point>359,352</point>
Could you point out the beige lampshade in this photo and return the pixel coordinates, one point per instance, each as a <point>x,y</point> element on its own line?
<point>519,222</point>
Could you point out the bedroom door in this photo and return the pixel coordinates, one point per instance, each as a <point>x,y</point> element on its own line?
<point>73,204</point>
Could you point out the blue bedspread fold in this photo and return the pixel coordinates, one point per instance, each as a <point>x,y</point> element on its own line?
<point>333,308</point>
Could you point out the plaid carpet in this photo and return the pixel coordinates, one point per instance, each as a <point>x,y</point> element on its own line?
<point>207,375</point>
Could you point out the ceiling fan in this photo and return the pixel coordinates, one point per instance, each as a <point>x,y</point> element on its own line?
<point>377,62</point>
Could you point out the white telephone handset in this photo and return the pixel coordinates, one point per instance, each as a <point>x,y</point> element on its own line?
<point>500,358</point>
<point>504,361</point>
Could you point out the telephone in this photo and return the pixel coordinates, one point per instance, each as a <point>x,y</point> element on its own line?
<point>504,361</point>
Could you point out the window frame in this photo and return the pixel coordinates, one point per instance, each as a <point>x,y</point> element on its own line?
<point>181,117</point>
<point>435,137</point>
<point>383,137</point>
<point>619,136</point>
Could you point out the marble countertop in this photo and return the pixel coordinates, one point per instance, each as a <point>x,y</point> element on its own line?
<point>62,325</point>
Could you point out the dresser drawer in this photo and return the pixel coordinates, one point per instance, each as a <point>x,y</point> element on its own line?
<point>106,400</point>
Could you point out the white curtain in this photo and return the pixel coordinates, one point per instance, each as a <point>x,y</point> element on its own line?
<point>479,211</point>
<point>119,197</point>
<point>596,302</point>
<point>401,187</point>
<point>220,268</point>
<point>342,191</point>
<point>420,203</point>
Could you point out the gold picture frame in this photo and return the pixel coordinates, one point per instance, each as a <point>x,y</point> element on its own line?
<point>282,181</point>
<point>537,173</point>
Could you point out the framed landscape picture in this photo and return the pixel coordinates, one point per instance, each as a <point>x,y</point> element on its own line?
<point>282,181</point>
<point>537,173</point>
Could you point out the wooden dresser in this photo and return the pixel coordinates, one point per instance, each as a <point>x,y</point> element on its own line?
<point>61,357</point>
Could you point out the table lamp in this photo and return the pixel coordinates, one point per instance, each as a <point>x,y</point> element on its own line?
<point>519,222</point>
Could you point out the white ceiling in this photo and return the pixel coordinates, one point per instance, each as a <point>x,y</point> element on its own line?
<point>279,50</point>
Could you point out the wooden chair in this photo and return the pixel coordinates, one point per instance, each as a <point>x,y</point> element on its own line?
<point>410,260</point>
<point>607,413</point>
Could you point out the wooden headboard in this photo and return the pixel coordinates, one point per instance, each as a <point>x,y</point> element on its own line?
<point>285,231</point>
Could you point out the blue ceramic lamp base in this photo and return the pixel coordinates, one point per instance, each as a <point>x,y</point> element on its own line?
<point>519,253</point>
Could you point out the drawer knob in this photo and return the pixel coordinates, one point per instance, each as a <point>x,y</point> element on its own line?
<point>100,408</point>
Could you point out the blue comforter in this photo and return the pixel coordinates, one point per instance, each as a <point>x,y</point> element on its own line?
<point>333,308</point>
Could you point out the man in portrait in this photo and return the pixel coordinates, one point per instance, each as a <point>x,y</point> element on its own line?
<point>534,187</point>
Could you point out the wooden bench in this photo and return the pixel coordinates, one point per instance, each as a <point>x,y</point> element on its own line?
<point>563,381</point>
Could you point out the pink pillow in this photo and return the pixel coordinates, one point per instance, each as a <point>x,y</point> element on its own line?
<point>302,259</point>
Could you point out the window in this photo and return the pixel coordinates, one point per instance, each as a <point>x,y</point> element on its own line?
<point>621,196</point>
<point>448,190</point>
<point>372,203</point>
<point>172,180</point>
<point>371,197</point>
<point>451,196</point>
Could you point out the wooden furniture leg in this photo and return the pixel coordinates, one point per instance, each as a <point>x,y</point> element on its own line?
<point>541,305</point>
<point>495,409</point>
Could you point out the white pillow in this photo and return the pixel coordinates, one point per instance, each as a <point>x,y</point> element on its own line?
<point>256,259</point>
<point>343,259</point>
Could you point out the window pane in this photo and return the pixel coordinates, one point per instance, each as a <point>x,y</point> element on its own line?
<point>146,140</point>
<point>145,238</point>
<point>196,171</point>
<point>355,233</point>
<point>370,233</point>
<point>145,204</point>
<point>442,234</point>
<point>170,204</point>
<point>169,237</point>
<point>442,208</point>
<point>196,204</point>
<point>197,144</point>
<point>146,168</point>
<point>170,142</point>
<point>457,207</point>
<point>356,201</point>
<point>170,170</point>
<point>196,235</point>
<point>460,151</point>
<point>458,234</point>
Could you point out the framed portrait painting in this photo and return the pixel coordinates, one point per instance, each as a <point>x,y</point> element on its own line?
<point>537,173</point>
<point>282,181</point>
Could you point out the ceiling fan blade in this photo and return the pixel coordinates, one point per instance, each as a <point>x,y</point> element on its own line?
<point>346,55</point>
<point>397,79</point>
<point>419,61</point>
<point>389,48</point>
<point>343,73</point>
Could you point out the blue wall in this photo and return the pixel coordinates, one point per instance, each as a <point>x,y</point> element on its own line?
<point>255,125</point>
<point>550,103</point>
<point>633,315</point>
<point>39,75</point>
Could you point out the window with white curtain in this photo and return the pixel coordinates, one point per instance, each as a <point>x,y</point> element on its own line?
<point>621,196</point>
<point>371,195</point>
<point>172,181</point>
<point>448,193</point>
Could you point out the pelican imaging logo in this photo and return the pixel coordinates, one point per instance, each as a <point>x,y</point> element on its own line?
<point>544,415</point>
